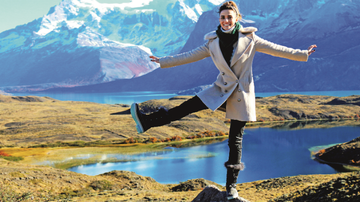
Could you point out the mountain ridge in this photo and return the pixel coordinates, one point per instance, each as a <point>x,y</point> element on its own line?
<point>70,46</point>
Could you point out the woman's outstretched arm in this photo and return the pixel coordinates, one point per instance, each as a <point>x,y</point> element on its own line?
<point>277,50</point>
<point>183,58</point>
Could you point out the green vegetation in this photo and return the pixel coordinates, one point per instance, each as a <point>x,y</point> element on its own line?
<point>101,185</point>
<point>74,144</point>
<point>8,157</point>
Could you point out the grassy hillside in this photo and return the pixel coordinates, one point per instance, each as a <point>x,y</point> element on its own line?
<point>29,121</point>
<point>38,128</point>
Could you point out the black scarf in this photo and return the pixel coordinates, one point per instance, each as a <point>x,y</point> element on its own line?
<point>227,41</point>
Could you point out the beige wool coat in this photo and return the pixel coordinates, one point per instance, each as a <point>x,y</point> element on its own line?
<point>234,84</point>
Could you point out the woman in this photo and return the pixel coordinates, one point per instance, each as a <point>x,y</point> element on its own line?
<point>232,49</point>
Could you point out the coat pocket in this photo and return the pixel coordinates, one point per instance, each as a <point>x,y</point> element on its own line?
<point>247,83</point>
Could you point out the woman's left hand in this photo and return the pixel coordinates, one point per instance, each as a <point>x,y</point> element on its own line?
<point>311,49</point>
<point>154,59</point>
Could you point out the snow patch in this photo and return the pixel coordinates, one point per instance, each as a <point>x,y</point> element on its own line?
<point>103,7</point>
<point>74,24</point>
<point>247,21</point>
<point>216,2</point>
<point>198,9</point>
<point>145,11</point>
<point>188,11</point>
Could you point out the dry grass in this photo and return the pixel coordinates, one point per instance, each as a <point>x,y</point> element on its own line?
<point>31,121</point>
<point>41,183</point>
<point>44,121</point>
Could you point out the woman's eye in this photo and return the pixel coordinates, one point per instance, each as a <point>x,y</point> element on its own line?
<point>224,18</point>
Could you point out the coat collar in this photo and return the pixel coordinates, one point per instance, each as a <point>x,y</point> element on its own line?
<point>242,45</point>
<point>243,30</point>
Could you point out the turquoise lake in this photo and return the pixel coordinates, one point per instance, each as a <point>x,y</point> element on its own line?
<point>267,152</point>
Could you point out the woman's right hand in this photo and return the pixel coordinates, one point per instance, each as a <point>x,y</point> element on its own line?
<point>311,49</point>
<point>154,59</point>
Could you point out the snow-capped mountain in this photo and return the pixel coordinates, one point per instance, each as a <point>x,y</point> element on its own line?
<point>82,42</point>
<point>334,25</point>
<point>161,25</point>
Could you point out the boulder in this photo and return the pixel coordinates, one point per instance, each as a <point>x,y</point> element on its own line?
<point>213,194</point>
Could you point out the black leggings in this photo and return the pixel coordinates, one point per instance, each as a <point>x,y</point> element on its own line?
<point>236,132</point>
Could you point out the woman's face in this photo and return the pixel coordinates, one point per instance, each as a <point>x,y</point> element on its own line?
<point>227,19</point>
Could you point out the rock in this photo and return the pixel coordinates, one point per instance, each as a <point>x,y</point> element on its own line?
<point>350,100</point>
<point>342,157</point>
<point>213,194</point>
<point>194,185</point>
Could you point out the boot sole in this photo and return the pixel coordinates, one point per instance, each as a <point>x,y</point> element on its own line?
<point>134,115</point>
<point>232,197</point>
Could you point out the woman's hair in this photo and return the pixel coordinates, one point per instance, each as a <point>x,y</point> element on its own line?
<point>232,6</point>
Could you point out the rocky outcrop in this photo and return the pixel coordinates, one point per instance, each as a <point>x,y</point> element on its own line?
<point>214,194</point>
<point>351,100</point>
<point>194,185</point>
<point>342,157</point>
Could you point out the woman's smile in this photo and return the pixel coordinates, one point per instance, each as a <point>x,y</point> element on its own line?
<point>227,19</point>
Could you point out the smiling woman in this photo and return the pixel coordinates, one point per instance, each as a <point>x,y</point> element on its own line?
<point>232,49</point>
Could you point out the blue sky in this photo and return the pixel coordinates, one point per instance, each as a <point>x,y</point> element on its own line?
<point>18,12</point>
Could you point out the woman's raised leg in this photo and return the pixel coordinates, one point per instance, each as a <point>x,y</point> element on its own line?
<point>164,116</point>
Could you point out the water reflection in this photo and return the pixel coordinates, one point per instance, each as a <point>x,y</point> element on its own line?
<point>291,125</point>
<point>267,153</point>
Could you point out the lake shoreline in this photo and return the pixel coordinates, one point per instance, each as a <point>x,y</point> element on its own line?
<point>43,150</point>
<point>118,129</point>
<point>29,121</point>
<point>40,121</point>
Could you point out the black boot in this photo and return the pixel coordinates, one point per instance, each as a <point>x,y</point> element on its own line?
<point>145,122</point>
<point>231,179</point>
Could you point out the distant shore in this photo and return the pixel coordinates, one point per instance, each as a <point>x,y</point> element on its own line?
<point>34,121</point>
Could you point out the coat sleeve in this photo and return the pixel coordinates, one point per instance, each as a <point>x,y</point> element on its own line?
<point>185,58</point>
<point>273,49</point>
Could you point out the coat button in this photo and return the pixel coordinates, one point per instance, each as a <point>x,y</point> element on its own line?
<point>223,73</point>
<point>226,91</point>
<point>239,100</point>
<point>239,90</point>
<point>221,95</point>
<point>225,83</point>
